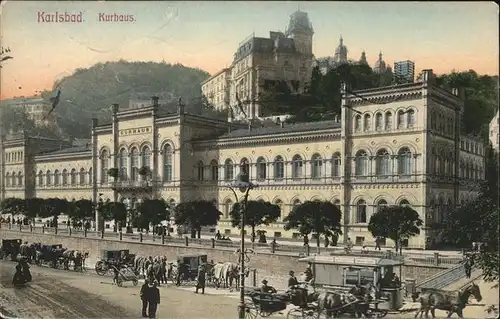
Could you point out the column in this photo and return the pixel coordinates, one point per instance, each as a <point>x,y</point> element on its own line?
<point>98,218</point>
<point>155,151</point>
<point>115,108</point>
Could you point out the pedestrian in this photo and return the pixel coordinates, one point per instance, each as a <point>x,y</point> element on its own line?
<point>468,267</point>
<point>153,299</point>
<point>377,243</point>
<point>144,298</point>
<point>200,281</point>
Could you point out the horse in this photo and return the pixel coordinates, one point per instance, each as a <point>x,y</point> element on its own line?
<point>328,301</point>
<point>451,301</point>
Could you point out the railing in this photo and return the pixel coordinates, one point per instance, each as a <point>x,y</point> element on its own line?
<point>444,278</point>
<point>280,249</point>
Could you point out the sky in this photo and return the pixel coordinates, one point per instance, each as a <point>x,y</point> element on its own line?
<point>442,36</point>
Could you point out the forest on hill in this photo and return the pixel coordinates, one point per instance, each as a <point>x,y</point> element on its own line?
<point>90,92</point>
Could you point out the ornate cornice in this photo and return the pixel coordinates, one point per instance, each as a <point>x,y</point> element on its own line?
<point>395,185</point>
<point>380,98</point>
<point>64,157</point>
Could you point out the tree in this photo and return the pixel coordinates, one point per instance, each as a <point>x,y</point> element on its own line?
<point>84,209</point>
<point>113,172</point>
<point>117,212</point>
<point>196,214</point>
<point>395,222</point>
<point>12,206</point>
<point>315,217</point>
<point>53,207</point>
<point>258,213</point>
<point>33,206</point>
<point>152,212</point>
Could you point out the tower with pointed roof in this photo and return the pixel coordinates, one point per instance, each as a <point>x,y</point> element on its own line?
<point>340,53</point>
<point>380,64</point>
<point>363,60</point>
<point>301,31</point>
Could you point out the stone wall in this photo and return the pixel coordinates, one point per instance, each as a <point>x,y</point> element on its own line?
<point>273,267</point>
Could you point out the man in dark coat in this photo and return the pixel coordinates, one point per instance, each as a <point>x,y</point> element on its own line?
<point>144,298</point>
<point>200,281</point>
<point>153,297</point>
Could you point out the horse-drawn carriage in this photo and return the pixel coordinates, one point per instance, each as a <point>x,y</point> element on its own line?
<point>51,255</point>
<point>110,258</point>
<point>10,247</point>
<point>187,267</point>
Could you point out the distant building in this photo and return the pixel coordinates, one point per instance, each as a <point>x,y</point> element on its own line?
<point>35,108</point>
<point>380,66</point>
<point>325,64</point>
<point>494,132</point>
<point>404,72</point>
<point>258,63</point>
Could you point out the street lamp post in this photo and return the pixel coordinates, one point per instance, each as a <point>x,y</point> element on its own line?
<point>244,185</point>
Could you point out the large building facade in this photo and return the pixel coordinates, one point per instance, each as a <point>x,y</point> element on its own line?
<point>259,62</point>
<point>392,146</point>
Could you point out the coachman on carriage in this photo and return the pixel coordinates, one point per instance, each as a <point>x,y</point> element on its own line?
<point>10,247</point>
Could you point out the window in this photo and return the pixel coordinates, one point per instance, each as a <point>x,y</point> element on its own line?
<point>316,166</point>
<point>337,203</point>
<point>7,179</point>
<point>404,161</point>
<point>56,177</point>
<point>361,211</point>
<point>20,179</point>
<point>214,170</point>
<point>357,123</point>
<point>82,176</point>
<point>228,170</point>
<point>123,164</point>
<point>134,164</point>
<point>279,203</point>
<point>14,180</point>
<point>65,177</point>
<point>261,169</point>
<point>381,204</point>
<point>146,157</point>
<point>378,122</point>
<point>388,121</point>
<point>404,203</point>
<point>245,166</point>
<point>383,163</point>
<point>297,167</point>
<point>167,163</point>
<point>336,162</point>
<point>49,179</point>
<point>279,168</point>
<point>361,163</point>
<point>200,168</point>
<point>367,125</point>
<point>401,119</point>
<point>228,204</point>
<point>73,177</point>
<point>104,166</point>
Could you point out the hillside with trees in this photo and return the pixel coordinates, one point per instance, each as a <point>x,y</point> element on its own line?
<point>90,92</point>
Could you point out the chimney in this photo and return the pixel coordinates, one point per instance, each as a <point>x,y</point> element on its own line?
<point>282,124</point>
<point>154,100</point>
<point>459,92</point>
<point>94,122</point>
<point>428,76</point>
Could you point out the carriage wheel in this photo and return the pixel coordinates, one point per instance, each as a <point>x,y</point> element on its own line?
<point>376,313</point>
<point>250,312</point>
<point>135,282</point>
<point>119,282</point>
<point>295,313</point>
<point>100,268</point>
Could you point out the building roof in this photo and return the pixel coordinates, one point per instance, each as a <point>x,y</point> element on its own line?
<point>22,100</point>
<point>277,129</point>
<point>74,149</point>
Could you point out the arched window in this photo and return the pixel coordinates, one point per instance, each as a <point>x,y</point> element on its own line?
<point>279,168</point>
<point>134,164</point>
<point>7,179</point>
<point>82,176</point>
<point>214,170</point>
<point>401,119</point>
<point>411,118</point>
<point>279,203</point>
<point>14,180</point>
<point>167,163</point>
<point>388,121</point>
<point>383,165</point>
<point>297,164</point>
<point>20,179</point>
<point>361,211</point>
<point>337,203</point>
<point>261,169</point>
<point>146,157</point>
<point>228,205</point>
<point>378,122</point>
<point>381,204</point>
<point>65,177</point>
<point>123,164</point>
<point>336,164</point>
<point>316,166</point>
<point>73,177</point>
<point>404,203</point>
<point>104,166</point>
<point>48,176</point>
<point>245,166</point>
<point>228,170</point>
<point>361,164</point>
<point>404,161</point>
<point>57,176</point>
<point>367,125</point>
<point>357,123</point>
<point>296,202</point>
<point>201,170</point>
<point>449,164</point>
<point>442,163</point>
